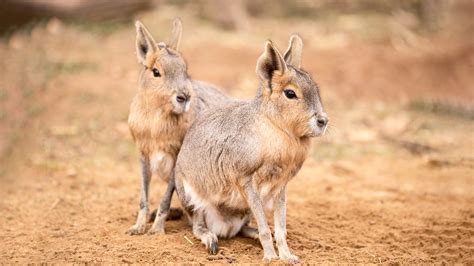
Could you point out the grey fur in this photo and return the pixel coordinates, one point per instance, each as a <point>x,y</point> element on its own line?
<point>231,155</point>
<point>164,208</point>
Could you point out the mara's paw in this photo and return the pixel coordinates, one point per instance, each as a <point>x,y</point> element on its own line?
<point>136,229</point>
<point>269,258</point>
<point>293,259</point>
<point>213,248</point>
<point>156,230</point>
<point>210,240</point>
<point>175,214</point>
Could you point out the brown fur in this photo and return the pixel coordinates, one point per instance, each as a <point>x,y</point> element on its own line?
<point>166,104</point>
<point>154,127</point>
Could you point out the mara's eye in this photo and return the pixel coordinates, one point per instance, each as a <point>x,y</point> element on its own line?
<point>290,94</point>
<point>156,72</point>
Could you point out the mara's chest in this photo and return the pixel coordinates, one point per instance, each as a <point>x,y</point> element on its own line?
<point>152,129</point>
<point>282,159</point>
<point>282,155</point>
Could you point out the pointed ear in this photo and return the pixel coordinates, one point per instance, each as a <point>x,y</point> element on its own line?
<point>270,62</point>
<point>145,44</point>
<point>293,54</point>
<point>176,33</point>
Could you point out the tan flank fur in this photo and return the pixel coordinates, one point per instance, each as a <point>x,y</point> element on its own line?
<point>237,160</point>
<point>166,104</point>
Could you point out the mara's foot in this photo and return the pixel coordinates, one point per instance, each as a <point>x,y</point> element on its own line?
<point>137,229</point>
<point>269,258</point>
<point>156,230</point>
<point>210,240</point>
<point>293,259</point>
<point>250,232</point>
<point>174,214</point>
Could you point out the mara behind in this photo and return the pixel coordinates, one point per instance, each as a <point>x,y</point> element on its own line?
<point>166,104</point>
<point>237,160</point>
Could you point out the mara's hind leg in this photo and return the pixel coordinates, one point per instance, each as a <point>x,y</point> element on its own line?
<point>163,211</point>
<point>188,210</point>
<point>200,231</point>
<point>139,227</point>
<point>248,231</point>
<point>174,214</point>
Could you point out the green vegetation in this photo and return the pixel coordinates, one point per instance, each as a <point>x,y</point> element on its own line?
<point>442,108</point>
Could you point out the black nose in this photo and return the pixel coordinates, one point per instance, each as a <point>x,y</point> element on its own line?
<point>322,121</point>
<point>181,98</point>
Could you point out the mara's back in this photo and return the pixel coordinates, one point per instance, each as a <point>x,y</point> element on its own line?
<point>207,96</point>
<point>219,136</point>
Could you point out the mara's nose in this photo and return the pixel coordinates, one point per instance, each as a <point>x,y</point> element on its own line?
<point>181,98</point>
<point>322,121</point>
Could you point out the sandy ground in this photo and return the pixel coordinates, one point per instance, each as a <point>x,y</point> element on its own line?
<point>387,184</point>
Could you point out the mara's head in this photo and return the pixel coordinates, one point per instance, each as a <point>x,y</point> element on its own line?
<point>289,95</point>
<point>164,69</point>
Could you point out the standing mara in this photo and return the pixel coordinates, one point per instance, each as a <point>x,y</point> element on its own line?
<point>166,104</point>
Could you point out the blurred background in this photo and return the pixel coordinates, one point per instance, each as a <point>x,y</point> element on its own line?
<point>391,181</point>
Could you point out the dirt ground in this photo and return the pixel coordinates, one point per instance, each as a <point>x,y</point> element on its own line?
<point>391,182</point>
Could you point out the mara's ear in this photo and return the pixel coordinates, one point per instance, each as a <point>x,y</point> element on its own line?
<point>293,53</point>
<point>145,45</point>
<point>270,62</point>
<point>176,33</point>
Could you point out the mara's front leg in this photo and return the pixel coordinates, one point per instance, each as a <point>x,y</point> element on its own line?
<point>162,164</point>
<point>200,231</point>
<point>279,217</point>
<point>264,233</point>
<point>139,227</point>
<point>163,210</point>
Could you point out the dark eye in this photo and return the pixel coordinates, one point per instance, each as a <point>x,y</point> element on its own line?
<point>156,72</point>
<point>290,94</point>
